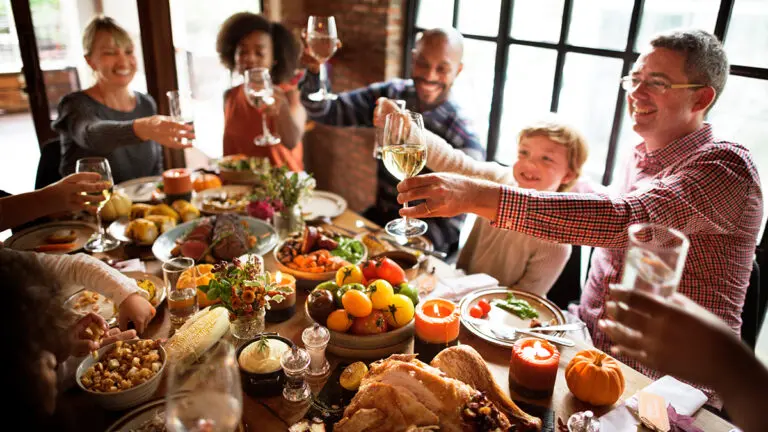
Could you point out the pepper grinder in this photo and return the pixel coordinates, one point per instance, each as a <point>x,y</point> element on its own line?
<point>295,363</point>
<point>316,340</point>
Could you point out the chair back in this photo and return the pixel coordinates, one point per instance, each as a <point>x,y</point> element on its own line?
<point>754,309</point>
<point>567,288</point>
<point>48,166</point>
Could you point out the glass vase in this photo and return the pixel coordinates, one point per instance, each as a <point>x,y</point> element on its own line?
<point>247,327</point>
<point>288,221</point>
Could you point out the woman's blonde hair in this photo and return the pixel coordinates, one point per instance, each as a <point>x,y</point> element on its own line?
<point>103,23</point>
<point>566,135</point>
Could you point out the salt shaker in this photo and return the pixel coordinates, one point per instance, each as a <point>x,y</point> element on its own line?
<point>584,421</point>
<point>315,340</point>
<point>295,363</point>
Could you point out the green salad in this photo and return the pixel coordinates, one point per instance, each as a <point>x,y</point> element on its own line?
<point>350,249</point>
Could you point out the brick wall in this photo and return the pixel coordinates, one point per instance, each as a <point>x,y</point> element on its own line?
<point>371,34</point>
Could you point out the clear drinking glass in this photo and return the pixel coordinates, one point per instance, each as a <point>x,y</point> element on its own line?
<point>404,153</point>
<point>260,92</point>
<point>101,241</point>
<point>182,109</point>
<point>207,395</point>
<point>322,41</point>
<point>182,290</point>
<point>655,259</point>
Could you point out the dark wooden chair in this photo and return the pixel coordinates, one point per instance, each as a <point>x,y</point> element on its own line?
<point>48,166</point>
<point>754,308</point>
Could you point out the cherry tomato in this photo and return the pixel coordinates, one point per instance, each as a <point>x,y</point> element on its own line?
<point>356,303</point>
<point>390,271</point>
<point>369,270</point>
<point>485,306</point>
<point>476,311</point>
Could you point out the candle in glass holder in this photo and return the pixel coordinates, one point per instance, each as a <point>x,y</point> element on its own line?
<point>437,327</point>
<point>177,184</point>
<point>533,367</point>
<point>279,312</point>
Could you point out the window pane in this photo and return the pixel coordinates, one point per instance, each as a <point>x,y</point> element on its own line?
<point>588,101</point>
<point>195,25</point>
<point>600,24</point>
<point>480,17</point>
<point>527,95</point>
<point>537,20</point>
<point>747,39</point>
<point>662,15</point>
<point>473,89</point>
<point>434,13</point>
<point>745,126</point>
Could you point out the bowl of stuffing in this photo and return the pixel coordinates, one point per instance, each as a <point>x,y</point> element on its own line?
<point>123,374</point>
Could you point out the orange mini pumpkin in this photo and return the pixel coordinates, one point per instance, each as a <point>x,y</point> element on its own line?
<point>595,378</point>
<point>206,181</point>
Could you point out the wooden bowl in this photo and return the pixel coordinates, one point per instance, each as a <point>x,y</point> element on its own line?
<point>307,276</point>
<point>368,346</point>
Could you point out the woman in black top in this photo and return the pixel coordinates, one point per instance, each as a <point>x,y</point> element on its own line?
<point>110,120</point>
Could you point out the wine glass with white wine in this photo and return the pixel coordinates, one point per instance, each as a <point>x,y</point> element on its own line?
<point>100,241</point>
<point>260,93</point>
<point>404,153</point>
<point>322,41</point>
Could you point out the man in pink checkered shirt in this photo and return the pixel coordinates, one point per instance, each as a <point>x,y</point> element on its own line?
<point>681,176</point>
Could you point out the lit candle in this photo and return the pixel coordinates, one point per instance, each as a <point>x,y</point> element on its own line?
<point>437,327</point>
<point>279,312</point>
<point>177,184</point>
<point>533,367</point>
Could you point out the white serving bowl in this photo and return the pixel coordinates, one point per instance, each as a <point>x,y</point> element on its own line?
<point>122,399</point>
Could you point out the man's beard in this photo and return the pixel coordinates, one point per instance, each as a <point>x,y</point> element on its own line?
<point>441,97</point>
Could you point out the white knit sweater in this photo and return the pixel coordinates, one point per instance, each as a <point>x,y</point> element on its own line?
<point>515,259</point>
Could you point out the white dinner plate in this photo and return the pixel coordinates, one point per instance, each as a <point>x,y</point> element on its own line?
<point>323,203</point>
<point>140,189</point>
<point>31,238</point>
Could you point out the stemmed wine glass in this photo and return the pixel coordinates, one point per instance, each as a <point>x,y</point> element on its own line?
<point>261,94</point>
<point>100,241</point>
<point>206,395</point>
<point>323,41</point>
<point>404,153</point>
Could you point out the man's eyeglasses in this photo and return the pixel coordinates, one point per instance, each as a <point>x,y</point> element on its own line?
<point>629,83</point>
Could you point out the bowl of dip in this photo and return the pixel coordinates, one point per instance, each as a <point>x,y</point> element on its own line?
<point>259,361</point>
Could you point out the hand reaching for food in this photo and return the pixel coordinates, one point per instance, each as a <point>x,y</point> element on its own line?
<point>135,308</point>
<point>90,333</point>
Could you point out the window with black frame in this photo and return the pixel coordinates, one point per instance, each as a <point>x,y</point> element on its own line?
<point>524,59</point>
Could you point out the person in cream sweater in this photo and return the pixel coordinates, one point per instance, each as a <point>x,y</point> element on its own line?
<point>550,156</point>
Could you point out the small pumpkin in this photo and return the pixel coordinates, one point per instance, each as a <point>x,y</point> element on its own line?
<point>118,205</point>
<point>595,378</point>
<point>206,181</point>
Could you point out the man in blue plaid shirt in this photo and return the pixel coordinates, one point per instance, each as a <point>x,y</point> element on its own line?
<point>436,63</point>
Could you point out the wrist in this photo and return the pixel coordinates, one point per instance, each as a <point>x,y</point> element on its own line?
<point>139,129</point>
<point>487,202</point>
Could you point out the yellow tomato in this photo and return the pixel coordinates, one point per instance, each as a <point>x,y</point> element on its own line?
<point>339,320</point>
<point>399,312</point>
<point>349,274</point>
<point>356,303</point>
<point>381,293</point>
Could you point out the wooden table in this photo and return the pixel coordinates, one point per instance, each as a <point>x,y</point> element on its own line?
<point>275,414</point>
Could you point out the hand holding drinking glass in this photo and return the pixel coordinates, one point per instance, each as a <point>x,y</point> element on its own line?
<point>182,111</point>
<point>655,258</point>
<point>322,42</point>
<point>207,395</point>
<point>101,241</point>
<point>404,153</point>
<point>260,93</point>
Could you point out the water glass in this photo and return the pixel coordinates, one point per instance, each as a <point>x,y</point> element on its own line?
<point>655,259</point>
<point>182,109</point>
<point>182,288</point>
<point>207,395</point>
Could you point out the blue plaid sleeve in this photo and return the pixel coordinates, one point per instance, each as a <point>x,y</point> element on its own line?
<point>352,108</point>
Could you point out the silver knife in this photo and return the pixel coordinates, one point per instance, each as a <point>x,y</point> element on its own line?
<point>510,333</point>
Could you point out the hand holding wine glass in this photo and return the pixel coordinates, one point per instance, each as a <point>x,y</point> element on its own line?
<point>322,41</point>
<point>101,241</point>
<point>404,153</point>
<point>260,93</point>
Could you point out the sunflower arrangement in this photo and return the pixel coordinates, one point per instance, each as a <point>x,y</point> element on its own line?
<point>242,287</point>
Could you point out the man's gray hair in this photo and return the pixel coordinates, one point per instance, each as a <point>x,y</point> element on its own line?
<point>705,59</point>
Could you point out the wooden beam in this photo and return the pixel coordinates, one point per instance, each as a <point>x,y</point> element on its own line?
<point>159,61</point>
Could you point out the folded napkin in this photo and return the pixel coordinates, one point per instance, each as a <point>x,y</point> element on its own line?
<point>455,289</point>
<point>685,399</point>
<point>131,265</point>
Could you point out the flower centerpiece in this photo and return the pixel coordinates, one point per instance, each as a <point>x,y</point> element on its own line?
<point>245,291</point>
<point>280,197</point>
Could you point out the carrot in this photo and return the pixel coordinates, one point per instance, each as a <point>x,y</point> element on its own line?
<point>60,247</point>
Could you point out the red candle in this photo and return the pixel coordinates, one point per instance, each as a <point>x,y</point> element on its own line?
<point>177,181</point>
<point>437,327</point>
<point>533,367</point>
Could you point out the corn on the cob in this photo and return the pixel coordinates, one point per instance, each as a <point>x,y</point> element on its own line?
<point>197,335</point>
<point>186,210</point>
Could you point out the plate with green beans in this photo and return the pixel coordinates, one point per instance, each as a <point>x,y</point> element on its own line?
<point>507,307</point>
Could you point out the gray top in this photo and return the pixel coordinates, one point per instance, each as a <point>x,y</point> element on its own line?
<point>87,127</point>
